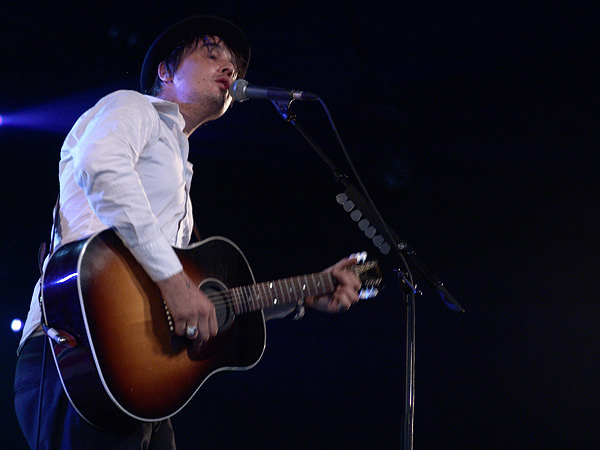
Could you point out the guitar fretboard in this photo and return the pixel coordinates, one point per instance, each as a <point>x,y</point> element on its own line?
<point>289,290</point>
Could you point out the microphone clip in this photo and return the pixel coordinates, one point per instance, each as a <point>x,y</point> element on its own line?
<point>283,108</point>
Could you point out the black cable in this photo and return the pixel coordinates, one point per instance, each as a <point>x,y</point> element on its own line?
<point>41,394</point>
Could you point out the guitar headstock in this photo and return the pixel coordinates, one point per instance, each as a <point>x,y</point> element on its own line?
<point>369,274</point>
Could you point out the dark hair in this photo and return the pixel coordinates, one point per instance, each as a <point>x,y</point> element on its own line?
<point>174,59</point>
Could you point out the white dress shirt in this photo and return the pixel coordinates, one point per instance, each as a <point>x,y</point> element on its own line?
<point>124,165</point>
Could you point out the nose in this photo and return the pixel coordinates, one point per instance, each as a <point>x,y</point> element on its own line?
<point>228,68</point>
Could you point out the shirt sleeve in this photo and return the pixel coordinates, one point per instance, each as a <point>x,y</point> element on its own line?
<point>109,141</point>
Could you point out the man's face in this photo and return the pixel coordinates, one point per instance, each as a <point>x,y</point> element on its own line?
<point>204,76</point>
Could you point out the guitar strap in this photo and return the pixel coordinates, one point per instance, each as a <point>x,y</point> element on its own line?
<point>55,224</point>
<point>197,232</point>
<point>42,253</point>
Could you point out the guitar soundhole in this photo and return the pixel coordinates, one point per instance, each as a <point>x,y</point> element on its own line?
<point>220,297</point>
<point>217,293</point>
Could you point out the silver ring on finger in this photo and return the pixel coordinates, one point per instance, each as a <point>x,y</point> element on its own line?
<point>191,331</point>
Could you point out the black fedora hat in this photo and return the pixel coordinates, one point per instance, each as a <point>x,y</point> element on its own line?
<point>188,28</point>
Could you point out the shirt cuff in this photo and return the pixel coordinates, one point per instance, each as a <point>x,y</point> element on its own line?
<point>158,259</point>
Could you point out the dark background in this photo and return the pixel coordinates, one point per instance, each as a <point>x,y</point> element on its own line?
<point>471,125</point>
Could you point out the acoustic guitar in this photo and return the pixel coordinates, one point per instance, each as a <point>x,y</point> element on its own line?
<point>117,358</point>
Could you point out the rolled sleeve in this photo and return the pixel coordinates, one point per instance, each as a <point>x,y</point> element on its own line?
<point>108,148</point>
<point>159,259</point>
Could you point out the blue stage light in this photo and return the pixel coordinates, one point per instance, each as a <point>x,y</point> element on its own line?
<point>57,116</point>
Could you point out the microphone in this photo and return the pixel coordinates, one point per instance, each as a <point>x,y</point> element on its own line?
<point>241,91</point>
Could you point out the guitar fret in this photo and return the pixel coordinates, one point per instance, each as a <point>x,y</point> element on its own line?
<point>236,301</point>
<point>330,283</point>
<point>327,282</point>
<point>259,297</point>
<point>278,296</point>
<point>268,295</point>
<point>285,291</point>
<point>251,299</point>
<point>273,292</point>
<point>261,294</point>
<point>297,296</point>
<point>248,299</point>
<point>302,287</point>
<point>243,297</point>
<point>286,288</point>
<point>258,302</point>
<point>240,297</point>
<point>264,300</point>
<point>292,291</point>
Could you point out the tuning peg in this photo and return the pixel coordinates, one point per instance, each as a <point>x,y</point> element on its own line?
<point>385,248</point>
<point>348,205</point>
<point>370,232</point>
<point>341,198</point>
<point>363,224</point>
<point>378,240</point>
<point>356,215</point>
<point>369,292</point>
<point>361,257</point>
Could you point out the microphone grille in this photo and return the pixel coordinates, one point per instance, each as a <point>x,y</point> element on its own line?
<point>237,90</point>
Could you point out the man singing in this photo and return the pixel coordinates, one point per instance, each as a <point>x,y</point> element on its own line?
<point>124,165</point>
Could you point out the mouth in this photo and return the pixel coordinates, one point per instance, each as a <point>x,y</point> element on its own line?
<point>224,83</point>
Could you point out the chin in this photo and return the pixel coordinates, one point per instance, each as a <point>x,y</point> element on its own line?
<point>224,106</point>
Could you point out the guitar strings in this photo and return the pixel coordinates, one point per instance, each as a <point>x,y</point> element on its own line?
<point>223,300</point>
<point>226,299</point>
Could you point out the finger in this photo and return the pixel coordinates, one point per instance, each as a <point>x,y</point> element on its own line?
<point>344,263</point>
<point>340,306</point>
<point>333,307</point>
<point>190,331</point>
<point>346,296</point>
<point>207,323</point>
<point>203,330</point>
<point>179,327</point>
<point>337,304</point>
<point>347,278</point>
<point>213,325</point>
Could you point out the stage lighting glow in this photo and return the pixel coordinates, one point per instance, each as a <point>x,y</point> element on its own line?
<point>56,116</point>
<point>16,325</point>
<point>0,120</point>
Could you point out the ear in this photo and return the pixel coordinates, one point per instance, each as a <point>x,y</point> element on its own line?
<point>163,73</point>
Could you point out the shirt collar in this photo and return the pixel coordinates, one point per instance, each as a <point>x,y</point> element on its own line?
<point>168,110</point>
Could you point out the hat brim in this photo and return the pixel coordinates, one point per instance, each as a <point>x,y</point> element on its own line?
<point>194,26</point>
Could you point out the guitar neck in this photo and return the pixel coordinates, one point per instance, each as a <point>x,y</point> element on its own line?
<point>289,290</point>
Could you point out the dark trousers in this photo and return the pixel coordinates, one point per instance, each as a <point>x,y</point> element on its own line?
<point>61,427</point>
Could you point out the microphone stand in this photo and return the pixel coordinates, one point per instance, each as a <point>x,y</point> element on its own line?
<point>385,242</point>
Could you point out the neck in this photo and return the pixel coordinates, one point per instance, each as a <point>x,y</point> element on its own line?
<point>197,111</point>
<point>193,119</point>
